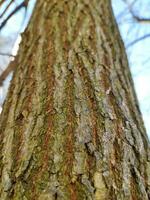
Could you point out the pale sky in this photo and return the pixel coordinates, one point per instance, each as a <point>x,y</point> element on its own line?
<point>138,54</point>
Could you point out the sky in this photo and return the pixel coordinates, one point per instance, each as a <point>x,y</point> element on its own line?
<point>138,54</point>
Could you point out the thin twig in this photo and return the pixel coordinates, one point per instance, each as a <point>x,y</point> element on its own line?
<point>6,54</point>
<point>138,40</point>
<point>24,4</point>
<point>7,7</point>
<point>7,71</point>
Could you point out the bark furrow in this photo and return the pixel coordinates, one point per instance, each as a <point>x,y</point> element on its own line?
<point>71,128</point>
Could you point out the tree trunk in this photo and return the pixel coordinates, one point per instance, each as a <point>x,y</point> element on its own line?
<point>71,128</point>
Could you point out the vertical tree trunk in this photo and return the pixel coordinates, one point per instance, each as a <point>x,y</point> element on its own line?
<point>71,128</point>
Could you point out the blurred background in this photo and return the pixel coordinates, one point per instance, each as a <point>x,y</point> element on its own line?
<point>133,18</point>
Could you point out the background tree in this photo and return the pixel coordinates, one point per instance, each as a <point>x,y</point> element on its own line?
<point>70,126</point>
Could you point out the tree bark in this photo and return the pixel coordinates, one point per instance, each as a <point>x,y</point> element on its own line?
<point>71,128</point>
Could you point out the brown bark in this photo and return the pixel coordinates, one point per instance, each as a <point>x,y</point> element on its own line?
<point>70,127</point>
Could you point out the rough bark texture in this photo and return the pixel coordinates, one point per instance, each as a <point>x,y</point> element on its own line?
<point>71,128</point>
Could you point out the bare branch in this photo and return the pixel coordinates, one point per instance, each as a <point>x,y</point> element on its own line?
<point>6,54</point>
<point>7,71</point>
<point>122,13</point>
<point>129,9</point>
<point>7,7</point>
<point>140,19</point>
<point>24,4</point>
<point>136,17</point>
<point>138,40</point>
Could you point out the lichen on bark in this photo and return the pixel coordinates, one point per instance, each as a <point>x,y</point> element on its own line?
<point>71,128</point>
